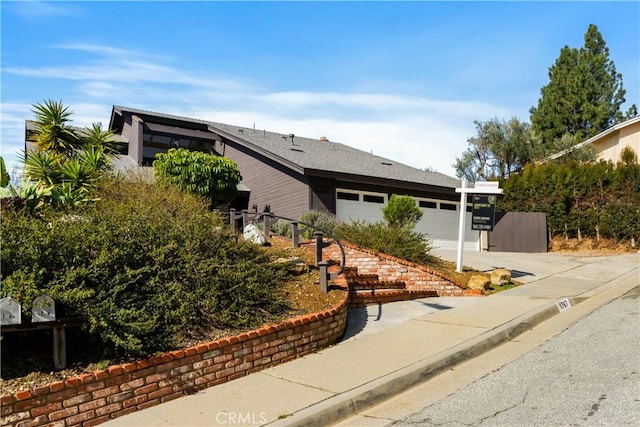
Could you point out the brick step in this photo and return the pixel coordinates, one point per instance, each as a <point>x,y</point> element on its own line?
<point>361,299</point>
<point>333,262</point>
<point>361,277</point>
<point>376,285</point>
<point>377,291</point>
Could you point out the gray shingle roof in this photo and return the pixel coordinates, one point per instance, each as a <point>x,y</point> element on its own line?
<point>315,154</point>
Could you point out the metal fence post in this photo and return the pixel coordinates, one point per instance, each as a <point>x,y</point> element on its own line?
<point>266,225</point>
<point>295,239</point>
<point>322,266</point>
<point>319,244</point>
<point>245,219</point>
<point>60,347</point>
<point>232,219</point>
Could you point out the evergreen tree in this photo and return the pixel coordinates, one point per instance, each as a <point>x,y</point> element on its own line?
<point>584,93</point>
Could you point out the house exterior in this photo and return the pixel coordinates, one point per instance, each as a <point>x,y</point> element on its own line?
<point>610,143</point>
<point>293,174</point>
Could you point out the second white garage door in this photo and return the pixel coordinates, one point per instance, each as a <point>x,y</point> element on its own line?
<point>439,220</point>
<point>355,205</point>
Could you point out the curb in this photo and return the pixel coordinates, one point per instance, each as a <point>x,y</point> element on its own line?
<point>352,402</point>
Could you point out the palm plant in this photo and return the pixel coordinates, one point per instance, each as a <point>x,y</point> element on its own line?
<point>67,164</point>
<point>28,194</point>
<point>66,195</point>
<point>76,174</point>
<point>4,175</point>
<point>42,166</point>
<point>96,158</point>
<point>54,132</point>
<point>94,136</point>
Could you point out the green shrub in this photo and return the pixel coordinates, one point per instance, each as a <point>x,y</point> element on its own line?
<point>401,242</point>
<point>323,220</point>
<point>213,177</point>
<point>143,264</point>
<point>282,228</point>
<point>401,211</point>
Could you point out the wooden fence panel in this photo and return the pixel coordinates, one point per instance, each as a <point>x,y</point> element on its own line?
<point>519,232</point>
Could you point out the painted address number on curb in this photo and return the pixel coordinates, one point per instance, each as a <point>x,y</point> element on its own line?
<point>563,304</point>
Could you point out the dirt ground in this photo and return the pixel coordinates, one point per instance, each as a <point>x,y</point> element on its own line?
<point>590,247</point>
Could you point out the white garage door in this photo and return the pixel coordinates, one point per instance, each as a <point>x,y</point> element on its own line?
<point>440,221</point>
<point>357,205</point>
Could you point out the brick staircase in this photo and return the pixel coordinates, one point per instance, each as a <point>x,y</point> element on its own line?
<point>367,288</point>
<point>372,278</point>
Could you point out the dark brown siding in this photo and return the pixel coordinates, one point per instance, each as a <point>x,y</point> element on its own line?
<point>285,191</point>
<point>323,194</point>
<point>132,131</point>
<point>519,232</point>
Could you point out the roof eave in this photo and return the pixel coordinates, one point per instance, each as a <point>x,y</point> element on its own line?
<point>362,179</point>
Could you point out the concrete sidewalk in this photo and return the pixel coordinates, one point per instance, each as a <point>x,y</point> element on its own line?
<point>395,346</point>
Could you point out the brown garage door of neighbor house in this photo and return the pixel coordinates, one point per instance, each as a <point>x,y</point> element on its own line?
<point>519,232</point>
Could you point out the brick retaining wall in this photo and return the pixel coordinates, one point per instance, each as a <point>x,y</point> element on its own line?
<point>96,397</point>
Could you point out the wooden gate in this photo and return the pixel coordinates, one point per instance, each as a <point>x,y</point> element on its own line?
<point>519,232</point>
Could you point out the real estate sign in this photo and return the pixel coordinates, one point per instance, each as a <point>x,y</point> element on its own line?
<point>483,212</point>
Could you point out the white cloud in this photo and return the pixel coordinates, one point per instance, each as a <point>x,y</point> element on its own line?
<point>416,131</point>
<point>42,10</point>
<point>13,132</point>
<point>124,67</point>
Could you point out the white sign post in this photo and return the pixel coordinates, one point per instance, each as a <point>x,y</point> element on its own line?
<point>490,187</point>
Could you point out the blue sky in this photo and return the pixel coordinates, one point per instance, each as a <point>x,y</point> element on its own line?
<point>404,80</point>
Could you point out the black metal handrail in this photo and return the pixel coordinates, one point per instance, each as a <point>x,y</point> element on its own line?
<point>268,219</point>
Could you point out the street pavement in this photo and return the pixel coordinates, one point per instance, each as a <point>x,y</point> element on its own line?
<point>390,348</point>
<point>587,375</point>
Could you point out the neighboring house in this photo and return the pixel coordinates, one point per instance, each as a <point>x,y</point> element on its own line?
<point>610,143</point>
<point>294,175</point>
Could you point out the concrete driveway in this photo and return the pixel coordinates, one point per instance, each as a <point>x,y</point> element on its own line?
<point>555,275</point>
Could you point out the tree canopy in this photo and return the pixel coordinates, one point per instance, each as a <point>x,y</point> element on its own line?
<point>584,93</point>
<point>499,149</point>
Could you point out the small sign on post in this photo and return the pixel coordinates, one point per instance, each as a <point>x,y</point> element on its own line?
<point>490,187</point>
<point>483,212</point>
<point>486,185</point>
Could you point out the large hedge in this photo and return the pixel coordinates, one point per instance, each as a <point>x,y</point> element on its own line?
<point>597,199</point>
<point>143,264</point>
